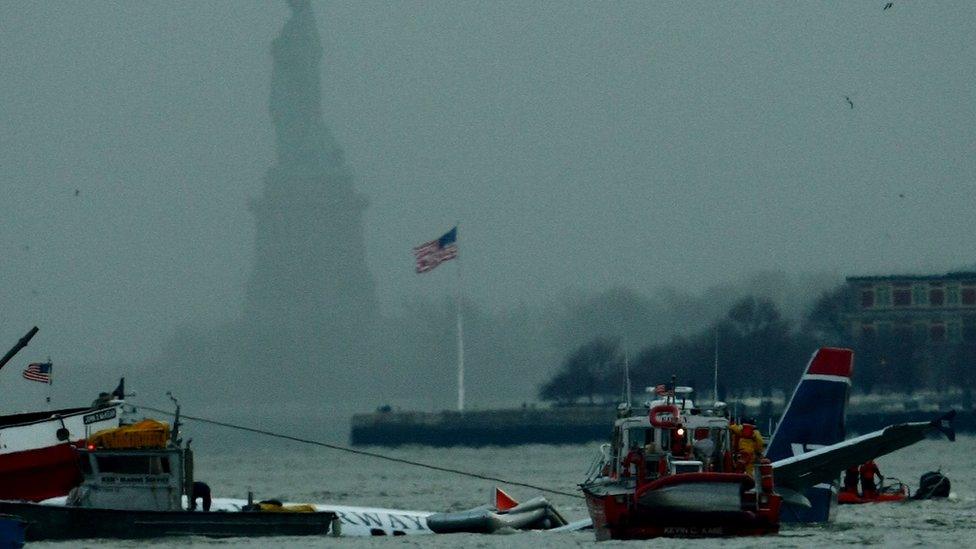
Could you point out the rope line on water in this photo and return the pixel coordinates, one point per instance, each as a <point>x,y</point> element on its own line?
<point>360,452</point>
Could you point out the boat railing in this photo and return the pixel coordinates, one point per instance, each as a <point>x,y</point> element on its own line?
<point>595,470</point>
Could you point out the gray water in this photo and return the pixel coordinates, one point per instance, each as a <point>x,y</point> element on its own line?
<point>294,472</point>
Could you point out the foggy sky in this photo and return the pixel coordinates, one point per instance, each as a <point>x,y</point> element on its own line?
<point>581,145</point>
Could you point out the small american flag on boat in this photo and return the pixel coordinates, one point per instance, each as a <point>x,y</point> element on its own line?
<point>433,253</point>
<point>38,371</point>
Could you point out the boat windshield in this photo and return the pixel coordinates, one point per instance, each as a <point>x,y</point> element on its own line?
<point>138,465</point>
<point>640,437</point>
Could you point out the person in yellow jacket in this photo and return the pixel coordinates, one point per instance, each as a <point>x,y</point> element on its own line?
<point>748,443</point>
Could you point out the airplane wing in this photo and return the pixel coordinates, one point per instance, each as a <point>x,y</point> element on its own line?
<point>825,464</point>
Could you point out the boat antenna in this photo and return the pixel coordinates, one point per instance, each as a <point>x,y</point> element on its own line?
<point>174,437</point>
<point>715,386</point>
<point>627,380</point>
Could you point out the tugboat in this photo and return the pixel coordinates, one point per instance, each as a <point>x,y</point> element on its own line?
<point>670,471</point>
<point>136,478</point>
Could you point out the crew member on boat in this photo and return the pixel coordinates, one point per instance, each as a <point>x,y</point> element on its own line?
<point>851,476</point>
<point>867,473</point>
<point>749,443</point>
<point>635,457</point>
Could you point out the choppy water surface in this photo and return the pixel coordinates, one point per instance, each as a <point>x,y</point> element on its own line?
<point>293,472</point>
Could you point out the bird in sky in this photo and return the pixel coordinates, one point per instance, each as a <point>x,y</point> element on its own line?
<point>901,195</point>
<point>849,102</point>
<point>77,192</point>
<point>888,5</point>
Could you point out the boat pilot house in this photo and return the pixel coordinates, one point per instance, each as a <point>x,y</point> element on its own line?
<point>133,468</point>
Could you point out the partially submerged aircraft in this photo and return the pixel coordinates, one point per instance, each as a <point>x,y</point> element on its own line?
<point>808,449</point>
<point>822,466</point>
<point>504,514</point>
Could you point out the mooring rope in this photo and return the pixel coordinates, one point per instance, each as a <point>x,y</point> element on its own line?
<point>360,452</point>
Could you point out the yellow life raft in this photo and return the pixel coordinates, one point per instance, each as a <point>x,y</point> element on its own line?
<point>275,507</point>
<point>147,433</point>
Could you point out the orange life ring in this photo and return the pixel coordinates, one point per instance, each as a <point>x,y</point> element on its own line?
<point>665,416</point>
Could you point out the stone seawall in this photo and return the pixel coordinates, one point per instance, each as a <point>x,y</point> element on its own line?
<point>554,426</point>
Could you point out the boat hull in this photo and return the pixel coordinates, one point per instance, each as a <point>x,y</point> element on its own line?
<point>54,522</point>
<point>699,505</point>
<point>852,498</point>
<point>11,532</point>
<point>34,475</point>
<point>37,458</point>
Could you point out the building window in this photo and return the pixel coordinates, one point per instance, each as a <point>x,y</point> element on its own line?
<point>936,297</point>
<point>969,296</point>
<point>867,299</point>
<point>902,296</point>
<point>937,332</point>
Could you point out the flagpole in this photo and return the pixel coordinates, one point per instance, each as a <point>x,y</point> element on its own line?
<point>50,379</point>
<point>460,327</point>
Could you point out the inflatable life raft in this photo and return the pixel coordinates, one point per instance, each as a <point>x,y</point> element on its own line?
<point>147,433</point>
<point>888,494</point>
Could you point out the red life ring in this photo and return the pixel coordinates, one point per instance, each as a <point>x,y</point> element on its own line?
<point>665,416</point>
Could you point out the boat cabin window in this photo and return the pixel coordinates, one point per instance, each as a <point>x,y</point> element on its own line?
<point>133,465</point>
<point>689,466</point>
<point>639,437</point>
<point>617,438</point>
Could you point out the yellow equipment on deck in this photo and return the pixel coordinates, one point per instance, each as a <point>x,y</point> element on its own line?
<point>147,433</point>
<point>275,507</point>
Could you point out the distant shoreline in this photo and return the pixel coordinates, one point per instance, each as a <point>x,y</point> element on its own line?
<point>570,425</point>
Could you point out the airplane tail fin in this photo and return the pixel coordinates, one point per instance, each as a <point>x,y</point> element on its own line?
<point>815,414</point>
<point>814,417</point>
<point>944,425</point>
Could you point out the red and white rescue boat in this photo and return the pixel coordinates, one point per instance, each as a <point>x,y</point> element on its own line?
<point>670,472</point>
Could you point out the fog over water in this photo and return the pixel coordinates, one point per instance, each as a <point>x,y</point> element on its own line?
<point>672,156</point>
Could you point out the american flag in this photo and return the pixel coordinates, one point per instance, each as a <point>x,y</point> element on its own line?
<point>433,253</point>
<point>38,371</point>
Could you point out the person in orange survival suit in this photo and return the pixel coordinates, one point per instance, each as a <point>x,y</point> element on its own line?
<point>749,443</point>
<point>867,473</point>
<point>634,457</point>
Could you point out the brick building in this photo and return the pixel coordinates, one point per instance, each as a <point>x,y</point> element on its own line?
<point>935,309</point>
